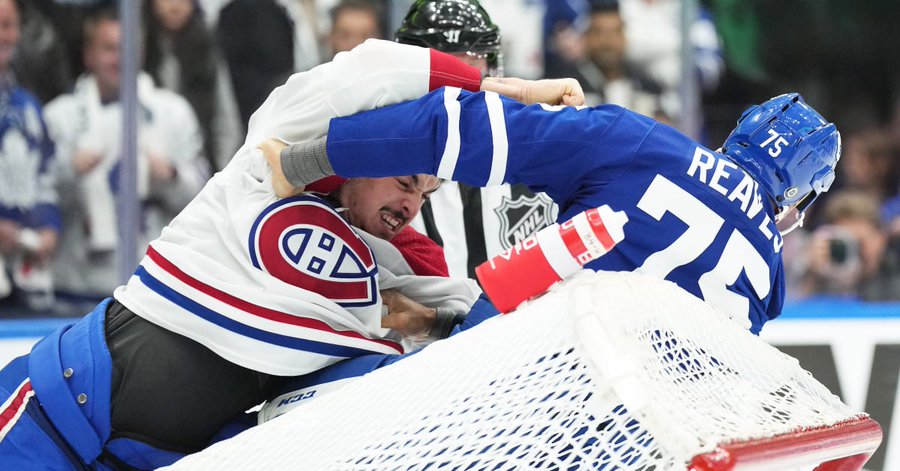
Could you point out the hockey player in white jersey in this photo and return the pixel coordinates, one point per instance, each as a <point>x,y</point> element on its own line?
<point>470,222</point>
<point>241,290</point>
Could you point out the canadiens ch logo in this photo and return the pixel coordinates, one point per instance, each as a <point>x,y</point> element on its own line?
<point>523,216</point>
<point>304,242</point>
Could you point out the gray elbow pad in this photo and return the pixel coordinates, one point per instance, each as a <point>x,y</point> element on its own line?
<point>305,162</point>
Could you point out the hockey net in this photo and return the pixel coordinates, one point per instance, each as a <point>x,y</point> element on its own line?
<point>606,371</point>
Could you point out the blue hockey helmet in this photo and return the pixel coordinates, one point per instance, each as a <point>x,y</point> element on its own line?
<point>788,148</point>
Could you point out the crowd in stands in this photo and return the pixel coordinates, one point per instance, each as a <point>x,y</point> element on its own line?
<point>208,64</point>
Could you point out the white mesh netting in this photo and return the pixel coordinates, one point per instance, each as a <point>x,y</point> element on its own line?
<point>606,371</point>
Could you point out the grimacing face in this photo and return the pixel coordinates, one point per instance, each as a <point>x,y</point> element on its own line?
<point>384,206</point>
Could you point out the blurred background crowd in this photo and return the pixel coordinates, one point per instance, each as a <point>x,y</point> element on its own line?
<point>208,64</point>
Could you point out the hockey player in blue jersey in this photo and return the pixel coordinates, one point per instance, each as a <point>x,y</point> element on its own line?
<point>710,221</point>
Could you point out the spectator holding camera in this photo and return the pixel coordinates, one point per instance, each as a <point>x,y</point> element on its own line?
<point>844,255</point>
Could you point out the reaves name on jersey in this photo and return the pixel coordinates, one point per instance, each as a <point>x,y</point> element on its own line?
<point>719,173</point>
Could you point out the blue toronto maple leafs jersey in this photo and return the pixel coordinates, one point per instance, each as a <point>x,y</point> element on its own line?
<point>695,218</point>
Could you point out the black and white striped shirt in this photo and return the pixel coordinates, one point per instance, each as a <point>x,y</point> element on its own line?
<point>473,224</point>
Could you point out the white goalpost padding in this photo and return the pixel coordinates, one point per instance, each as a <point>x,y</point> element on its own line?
<point>605,371</point>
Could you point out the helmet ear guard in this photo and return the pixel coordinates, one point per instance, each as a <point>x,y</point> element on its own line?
<point>453,26</point>
<point>789,149</point>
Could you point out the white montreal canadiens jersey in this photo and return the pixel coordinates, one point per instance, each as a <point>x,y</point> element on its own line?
<point>283,286</point>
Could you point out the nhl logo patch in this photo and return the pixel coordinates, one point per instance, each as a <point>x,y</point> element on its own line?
<point>523,216</point>
<point>304,242</point>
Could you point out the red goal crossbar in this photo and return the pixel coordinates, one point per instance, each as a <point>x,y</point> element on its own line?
<point>842,447</point>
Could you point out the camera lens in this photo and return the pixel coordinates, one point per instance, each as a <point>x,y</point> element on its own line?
<point>839,251</point>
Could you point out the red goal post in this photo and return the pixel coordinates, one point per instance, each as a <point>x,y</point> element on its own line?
<point>842,447</point>
<point>606,371</point>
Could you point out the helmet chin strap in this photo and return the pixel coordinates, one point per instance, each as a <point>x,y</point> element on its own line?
<point>798,221</point>
<point>799,213</point>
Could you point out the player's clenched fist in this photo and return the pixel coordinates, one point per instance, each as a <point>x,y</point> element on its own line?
<point>406,316</point>
<point>565,91</point>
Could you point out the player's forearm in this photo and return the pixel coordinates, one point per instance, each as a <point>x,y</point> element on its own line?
<point>448,133</point>
<point>305,162</point>
<point>448,71</point>
<point>376,155</point>
<point>475,138</point>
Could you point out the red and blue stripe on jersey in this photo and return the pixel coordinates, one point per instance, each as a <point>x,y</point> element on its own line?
<point>302,242</point>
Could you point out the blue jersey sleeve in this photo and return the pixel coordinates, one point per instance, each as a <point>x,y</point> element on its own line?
<point>482,139</point>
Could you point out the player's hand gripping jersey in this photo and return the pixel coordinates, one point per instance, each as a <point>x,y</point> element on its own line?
<point>285,286</point>
<point>695,218</point>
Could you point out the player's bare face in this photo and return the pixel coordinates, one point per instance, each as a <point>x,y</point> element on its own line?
<point>101,57</point>
<point>384,206</point>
